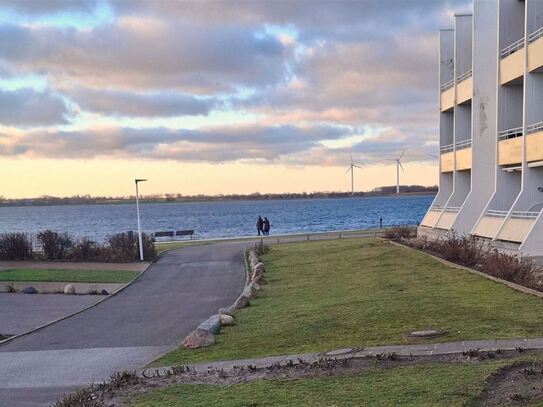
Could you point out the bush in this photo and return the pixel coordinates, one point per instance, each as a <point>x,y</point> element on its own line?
<point>55,245</point>
<point>517,269</point>
<point>15,246</point>
<point>125,247</point>
<point>85,249</point>
<point>400,232</point>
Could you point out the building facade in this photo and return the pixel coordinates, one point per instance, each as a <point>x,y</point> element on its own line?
<point>491,127</point>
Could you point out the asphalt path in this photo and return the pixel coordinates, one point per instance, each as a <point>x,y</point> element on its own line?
<point>126,331</point>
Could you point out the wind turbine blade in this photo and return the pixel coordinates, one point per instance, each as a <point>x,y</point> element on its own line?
<point>348,169</point>
<point>350,155</point>
<point>357,166</point>
<point>401,155</point>
<point>401,166</point>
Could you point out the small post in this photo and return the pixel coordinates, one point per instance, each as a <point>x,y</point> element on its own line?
<point>277,240</point>
<point>339,235</point>
<point>138,215</point>
<point>308,237</point>
<point>380,223</point>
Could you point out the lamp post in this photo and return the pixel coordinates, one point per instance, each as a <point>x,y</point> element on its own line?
<point>137,181</point>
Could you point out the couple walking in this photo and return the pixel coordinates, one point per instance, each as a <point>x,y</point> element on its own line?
<point>263,226</point>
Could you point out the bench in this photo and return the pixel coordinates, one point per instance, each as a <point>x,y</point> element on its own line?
<point>173,234</point>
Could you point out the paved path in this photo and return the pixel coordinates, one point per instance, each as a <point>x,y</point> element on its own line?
<point>425,349</point>
<point>128,330</point>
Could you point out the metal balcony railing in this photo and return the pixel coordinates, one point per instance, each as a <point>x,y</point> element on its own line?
<point>510,133</point>
<point>535,35</point>
<point>465,75</point>
<point>534,128</point>
<point>511,49</point>
<point>496,214</point>
<point>436,208</point>
<point>446,148</point>
<point>452,209</point>
<point>524,215</point>
<point>463,144</point>
<point>447,85</point>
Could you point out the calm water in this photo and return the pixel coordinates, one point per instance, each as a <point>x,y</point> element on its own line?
<point>218,219</point>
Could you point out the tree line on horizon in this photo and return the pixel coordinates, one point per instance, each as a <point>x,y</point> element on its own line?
<point>169,197</point>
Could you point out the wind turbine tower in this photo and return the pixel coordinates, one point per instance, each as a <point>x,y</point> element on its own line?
<point>398,166</point>
<point>351,168</point>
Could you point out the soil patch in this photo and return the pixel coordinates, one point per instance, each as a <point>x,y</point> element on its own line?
<point>520,384</point>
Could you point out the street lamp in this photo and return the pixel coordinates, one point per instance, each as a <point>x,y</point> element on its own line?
<point>138,180</point>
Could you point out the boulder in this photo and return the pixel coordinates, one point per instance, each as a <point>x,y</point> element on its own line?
<point>198,339</point>
<point>104,292</point>
<point>256,286</point>
<point>226,311</point>
<point>226,319</point>
<point>259,266</point>
<point>69,289</point>
<point>29,290</point>
<point>241,302</point>
<point>250,292</point>
<point>212,324</point>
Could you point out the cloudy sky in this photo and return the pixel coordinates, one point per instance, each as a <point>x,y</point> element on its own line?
<point>216,96</point>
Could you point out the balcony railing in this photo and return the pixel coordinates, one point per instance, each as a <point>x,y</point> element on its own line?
<point>534,128</point>
<point>496,214</point>
<point>447,85</point>
<point>436,208</point>
<point>465,75</point>
<point>463,144</point>
<point>535,35</point>
<point>452,209</point>
<point>446,148</point>
<point>514,47</point>
<point>524,215</point>
<point>510,133</point>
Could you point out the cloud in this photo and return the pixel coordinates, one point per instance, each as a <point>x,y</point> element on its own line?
<point>134,104</point>
<point>45,7</point>
<point>26,107</point>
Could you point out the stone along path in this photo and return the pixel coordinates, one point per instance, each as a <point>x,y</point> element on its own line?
<point>126,331</point>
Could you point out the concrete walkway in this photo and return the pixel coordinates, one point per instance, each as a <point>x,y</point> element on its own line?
<point>128,330</point>
<point>446,348</point>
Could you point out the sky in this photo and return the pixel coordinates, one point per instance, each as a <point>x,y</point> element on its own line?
<point>217,97</point>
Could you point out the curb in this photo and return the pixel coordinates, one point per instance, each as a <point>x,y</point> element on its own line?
<point>514,286</point>
<point>118,290</point>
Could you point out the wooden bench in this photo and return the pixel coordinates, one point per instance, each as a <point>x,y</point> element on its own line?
<point>189,233</point>
<point>173,234</point>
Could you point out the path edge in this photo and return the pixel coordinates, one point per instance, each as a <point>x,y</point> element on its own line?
<point>114,293</point>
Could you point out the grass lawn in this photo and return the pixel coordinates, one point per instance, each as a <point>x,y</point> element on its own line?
<point>73,276</point>
<point>425,384</point>
<point>363,292</point>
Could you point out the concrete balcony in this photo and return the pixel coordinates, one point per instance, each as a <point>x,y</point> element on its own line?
<point>447,158</point>
<point>463,155</point>
<point>447,218</point>
<point>489,224</point>
<point>510,146</point>
<point>432,216</point>
<point>446,101</point>
<point>512,62</point>
<point>535,50</point>
<point>534,142</point>
<point>517,227</point>
<point>464,87</point>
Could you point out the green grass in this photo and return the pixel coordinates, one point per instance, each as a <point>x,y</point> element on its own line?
<point>363,292</point>
<point>73,276</point>
<point>426,384</point>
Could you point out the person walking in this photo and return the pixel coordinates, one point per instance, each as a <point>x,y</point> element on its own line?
<point>259,225</point>
<point>266,226</point>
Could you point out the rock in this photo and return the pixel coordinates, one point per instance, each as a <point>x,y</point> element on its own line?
<point>226,311</point>
<point>29,290</point>
<point>198,339</point>
<point>241,302</point>
<point>226,319</point>
<point>259,266</point>
<point>212,324</point>
<point>69,289</point>
<point>256,286</point>
<point>104,292</point>
<point>256,275</point>
<point>250,292</point>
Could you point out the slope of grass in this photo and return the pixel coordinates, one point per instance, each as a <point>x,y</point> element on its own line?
<point>74,276</point>
<point>426,384</point>
<point>362,292</point>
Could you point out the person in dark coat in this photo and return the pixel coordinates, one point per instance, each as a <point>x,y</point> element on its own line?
<point>259,226</point>
<point>266,226</point>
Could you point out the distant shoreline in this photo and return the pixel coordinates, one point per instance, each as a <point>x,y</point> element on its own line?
<point>80,201</point>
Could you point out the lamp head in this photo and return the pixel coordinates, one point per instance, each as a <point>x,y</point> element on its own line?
<point>540,189</point>
<point>139,180</point>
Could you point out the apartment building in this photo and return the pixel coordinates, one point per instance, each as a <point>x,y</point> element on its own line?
<point>491,127</point>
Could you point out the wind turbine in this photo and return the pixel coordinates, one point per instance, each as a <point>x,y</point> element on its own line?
<point>351,168</point>
<point>398,166</point>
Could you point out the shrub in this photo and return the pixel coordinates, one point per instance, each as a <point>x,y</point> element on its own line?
<point>517,269</point>
<point>15,246</point>
<point>400,232</point>
<point>125,247</point>
<point>55,245</point>
<point>85,250</point>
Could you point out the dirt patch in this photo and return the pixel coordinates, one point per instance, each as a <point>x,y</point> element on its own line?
<point>123,387</point>
<point>517,385</point>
